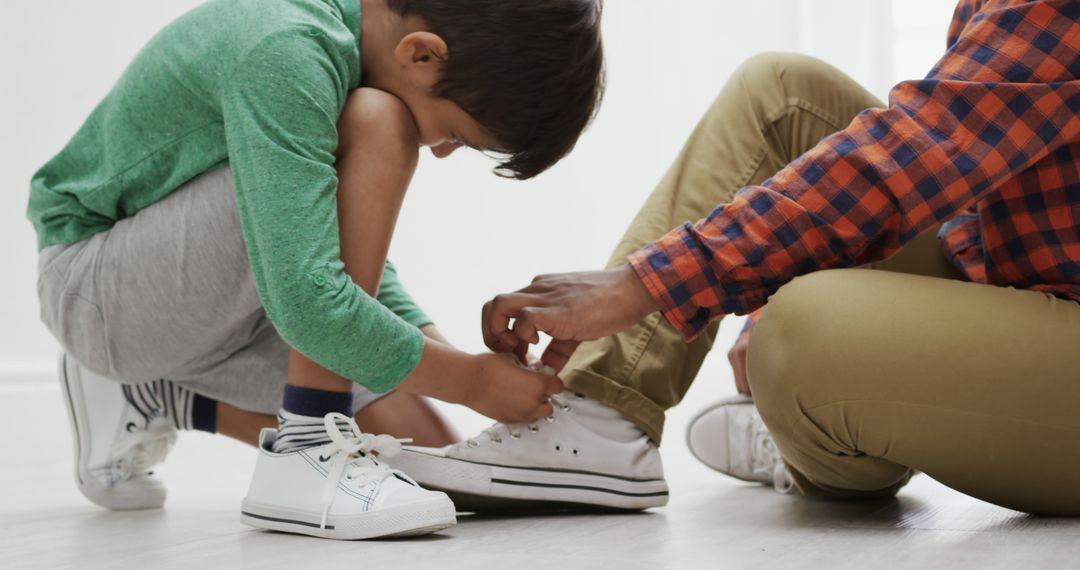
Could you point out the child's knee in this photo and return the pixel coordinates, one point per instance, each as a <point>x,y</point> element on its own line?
<point>380,119</point>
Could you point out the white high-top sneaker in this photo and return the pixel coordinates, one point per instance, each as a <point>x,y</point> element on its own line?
<point>585,455</point>
<point>730,437</point>
<point>116,446</point>
<point>340,490</point>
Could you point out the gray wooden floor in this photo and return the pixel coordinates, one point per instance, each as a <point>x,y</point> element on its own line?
<point>711,522</point>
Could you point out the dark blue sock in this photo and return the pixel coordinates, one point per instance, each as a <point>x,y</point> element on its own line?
<point>316,403</point>
<point>204,414</point>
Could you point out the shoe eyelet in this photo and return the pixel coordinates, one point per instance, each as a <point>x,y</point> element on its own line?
<point>550,419</point>
<point>496,440</point>
<point>323,459</point>
<point>579,395</point>
<point>472,443</point>
<point>575,452</point>
<point>565,407</point>
<point>130,427</point>
<point>558,448</point>
<point>533,428</point>
<point>515,435</point>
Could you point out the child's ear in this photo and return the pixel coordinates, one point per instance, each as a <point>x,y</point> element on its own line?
<point>422,55</point>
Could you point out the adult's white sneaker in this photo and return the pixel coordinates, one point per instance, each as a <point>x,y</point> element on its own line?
<point>341,490</point>
<point>584,456</point>
<point>730,437</point>
<point>116,446</point>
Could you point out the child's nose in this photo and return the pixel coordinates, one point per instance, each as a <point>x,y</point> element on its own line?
<point>444,150</point>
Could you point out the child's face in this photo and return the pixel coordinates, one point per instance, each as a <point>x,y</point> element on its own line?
<point>444,126</point>
<point>418,59</point>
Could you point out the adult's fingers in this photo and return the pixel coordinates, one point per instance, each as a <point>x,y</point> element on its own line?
<point>737,357</point>
<point>521,351</point>
<point>558,353</point>
<point>525,330</point>
<point>504,308</point>
<point>491,340</point>
<point>495,329</point>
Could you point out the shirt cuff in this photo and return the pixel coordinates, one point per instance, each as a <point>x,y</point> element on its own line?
<point>678,283</point>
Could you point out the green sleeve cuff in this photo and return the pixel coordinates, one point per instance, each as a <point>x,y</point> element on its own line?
<point>393,296</point>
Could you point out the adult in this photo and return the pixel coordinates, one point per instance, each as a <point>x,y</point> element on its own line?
<point>955,355</point>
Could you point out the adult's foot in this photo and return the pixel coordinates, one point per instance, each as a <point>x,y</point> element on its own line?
<point>730,437</point>
<point>584,456</point>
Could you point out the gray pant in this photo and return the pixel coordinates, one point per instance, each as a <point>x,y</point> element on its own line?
<point>169,293</point>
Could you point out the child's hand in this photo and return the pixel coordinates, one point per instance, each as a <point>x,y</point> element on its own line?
<point>508,392</point>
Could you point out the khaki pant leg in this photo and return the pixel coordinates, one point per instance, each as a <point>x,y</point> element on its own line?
<point>862,376</point>
<point>774,108</point>
<point>920,256</point>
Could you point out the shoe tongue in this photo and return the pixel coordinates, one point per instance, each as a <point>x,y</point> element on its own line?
<point>366,461</point>
<point>601,419</point>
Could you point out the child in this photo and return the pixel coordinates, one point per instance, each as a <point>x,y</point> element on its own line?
<point>222,221</point>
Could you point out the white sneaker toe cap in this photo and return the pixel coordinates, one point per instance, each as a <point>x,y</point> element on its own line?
<point>707,438</point>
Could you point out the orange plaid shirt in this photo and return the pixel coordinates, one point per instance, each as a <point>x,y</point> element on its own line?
<point>987,146</point>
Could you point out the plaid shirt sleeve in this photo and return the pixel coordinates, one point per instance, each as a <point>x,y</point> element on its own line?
<point>1004,96</point>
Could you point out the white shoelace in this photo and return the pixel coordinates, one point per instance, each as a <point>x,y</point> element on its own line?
<point>144,448</point>
<point>766,457</point>
<point>351,458</point>
<point>495,432</point>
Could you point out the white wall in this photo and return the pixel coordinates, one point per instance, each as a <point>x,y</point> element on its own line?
<point>464,234</point>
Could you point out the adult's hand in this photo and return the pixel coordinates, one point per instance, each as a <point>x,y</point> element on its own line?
<point>737,358</point>
<point>568,307</point>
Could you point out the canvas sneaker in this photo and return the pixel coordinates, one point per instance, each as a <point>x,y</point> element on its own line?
<point>730,437</point>
<point>584,456</point>
<point>116,446</point>
<point>341,490</point>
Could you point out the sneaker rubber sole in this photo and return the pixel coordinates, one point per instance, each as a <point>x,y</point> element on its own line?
<point>481,487</point>
<point>410,519</point>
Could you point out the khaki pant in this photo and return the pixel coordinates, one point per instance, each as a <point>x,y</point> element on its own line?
<point>861,376</point>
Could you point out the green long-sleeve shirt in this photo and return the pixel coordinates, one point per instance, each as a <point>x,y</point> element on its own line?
<point>257,84</point>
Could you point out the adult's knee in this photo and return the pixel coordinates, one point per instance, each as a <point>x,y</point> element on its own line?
<point>786,72</point>
<point>788,352</point>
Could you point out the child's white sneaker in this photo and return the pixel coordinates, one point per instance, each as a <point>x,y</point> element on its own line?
<point>340,490</point>
<point>730,437</point>
<point>585,455</point>
<point>115,445</point>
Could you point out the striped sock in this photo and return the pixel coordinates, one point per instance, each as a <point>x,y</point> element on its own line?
<point>300,421</point>
<point>296,432</point>
<point>184,408</point>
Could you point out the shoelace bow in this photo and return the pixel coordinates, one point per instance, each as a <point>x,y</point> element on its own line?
<point>351,456</point>
<point>495,431</point>
<point>144,448</point>
<point>765,456</point>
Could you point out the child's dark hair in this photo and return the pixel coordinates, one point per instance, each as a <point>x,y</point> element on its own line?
<point>531,72</point>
